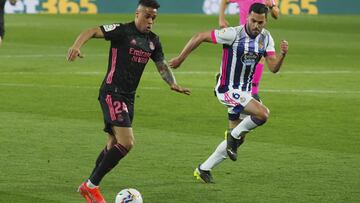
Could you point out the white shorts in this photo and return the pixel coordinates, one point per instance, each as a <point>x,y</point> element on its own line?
<point>235,100</point>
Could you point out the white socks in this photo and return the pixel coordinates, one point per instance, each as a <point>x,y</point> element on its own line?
<point>220,154</point>
<point>215,158</point>
<point>245,126</point>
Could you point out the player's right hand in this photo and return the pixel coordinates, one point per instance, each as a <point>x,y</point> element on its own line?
<point>73,53</point>
<point>175,62</point>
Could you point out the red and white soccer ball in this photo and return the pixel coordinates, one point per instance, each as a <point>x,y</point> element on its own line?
<point>129,195</point>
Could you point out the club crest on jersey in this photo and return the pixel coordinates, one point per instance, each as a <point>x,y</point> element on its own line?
<point>151,45</point>
<point>242,99</point>
<point>111,27</point>
<point>261,45</point>
<point>222,31</point>
<point>133,42</point>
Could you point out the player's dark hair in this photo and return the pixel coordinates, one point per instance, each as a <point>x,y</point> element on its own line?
<point>259,8</point>
<point>149,3</point>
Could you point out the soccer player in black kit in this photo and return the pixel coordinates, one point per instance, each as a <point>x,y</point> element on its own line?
<point>132,45</point>
<point>2,12</point>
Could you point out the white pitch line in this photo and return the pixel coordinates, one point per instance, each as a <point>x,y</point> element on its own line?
<point>313,72</point>
<point>297,91</point>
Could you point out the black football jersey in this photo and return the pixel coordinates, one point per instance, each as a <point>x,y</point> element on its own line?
<point>130,50</point>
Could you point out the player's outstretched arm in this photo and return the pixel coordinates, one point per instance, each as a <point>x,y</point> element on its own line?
<point>274,11</point>
<point>274,62</point>
<point>169,77</point>
<point>74,50</point>
<point>222,21</point>
<point>192,44</point>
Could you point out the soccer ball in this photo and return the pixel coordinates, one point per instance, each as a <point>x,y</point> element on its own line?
<point>211,7</point>
<point>129,195</point>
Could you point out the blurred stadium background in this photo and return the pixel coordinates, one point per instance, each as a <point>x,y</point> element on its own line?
<point>51,123</point>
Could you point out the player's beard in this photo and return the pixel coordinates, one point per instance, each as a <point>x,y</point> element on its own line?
<point>255,32</point>
<point>252,32</point>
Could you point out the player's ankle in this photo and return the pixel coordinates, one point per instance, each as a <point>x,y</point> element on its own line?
<point>90,185</point>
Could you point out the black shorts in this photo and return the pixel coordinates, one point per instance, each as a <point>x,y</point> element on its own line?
<point>118,110</point>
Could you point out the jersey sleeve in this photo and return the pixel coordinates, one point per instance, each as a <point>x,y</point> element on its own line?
<point>270,48</point>
<point>113,31</point>
<point>224,36</point>
<point>158,54</point>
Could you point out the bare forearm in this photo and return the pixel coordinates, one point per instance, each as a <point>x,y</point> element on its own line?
<point>193,43</point>
<point>166,73</point>
<point>276,65</point>
<point>274,62</point>
<point>223,5</point>
<point>84,37</point>
<point>275,12</point>
<point>74,50</point>
<point>169,78</point>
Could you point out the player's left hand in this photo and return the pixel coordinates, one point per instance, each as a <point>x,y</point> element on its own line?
<point>180,89</point>
<point>284,46</point>
<point>275,12</point>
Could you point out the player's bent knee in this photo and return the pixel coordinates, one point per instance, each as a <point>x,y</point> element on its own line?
<point>265,114</point>
<point>262,116</point>
<point>128,144</point>
<point>131,145</point>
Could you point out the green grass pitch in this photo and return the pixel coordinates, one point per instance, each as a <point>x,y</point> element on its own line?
<point>51,123</point>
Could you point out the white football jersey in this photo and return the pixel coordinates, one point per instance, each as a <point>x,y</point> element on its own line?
<point>241,54</point>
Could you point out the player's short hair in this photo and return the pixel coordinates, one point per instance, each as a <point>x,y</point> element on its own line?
<point>149,3</point>
<point>259,8</point>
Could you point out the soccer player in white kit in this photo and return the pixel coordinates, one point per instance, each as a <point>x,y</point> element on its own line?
<point>243,47</point>
<point>244,6</point>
